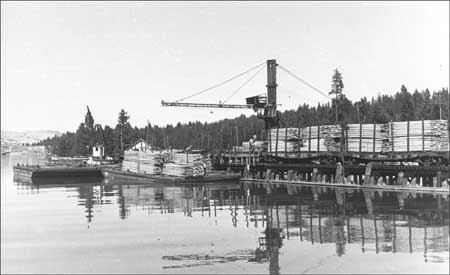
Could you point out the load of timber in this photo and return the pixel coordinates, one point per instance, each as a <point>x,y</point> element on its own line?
<point>404,136</point>
<point>166,163</point>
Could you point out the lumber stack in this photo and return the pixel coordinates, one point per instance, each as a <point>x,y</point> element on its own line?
<point>367,135</point>
<point>168,163</point>
<point>143,162</point>
<point>429,135</point>
<point>257,146</point>
<point>36,158</point>
<point>186,165</point>
<point>178,170</point>
<point>288,140</point>
<point>303,139</point>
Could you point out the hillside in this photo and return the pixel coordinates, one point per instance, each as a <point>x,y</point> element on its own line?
<point>19,137</point>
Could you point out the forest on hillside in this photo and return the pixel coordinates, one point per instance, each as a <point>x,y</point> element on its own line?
<point>224,134</point>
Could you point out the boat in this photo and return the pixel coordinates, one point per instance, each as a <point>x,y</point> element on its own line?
<point>117,174</point>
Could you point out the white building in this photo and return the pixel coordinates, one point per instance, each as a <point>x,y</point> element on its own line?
<point>140,145</point>
<point>98,151</point>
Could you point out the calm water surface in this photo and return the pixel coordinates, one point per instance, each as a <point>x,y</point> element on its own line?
<point>123,227</point>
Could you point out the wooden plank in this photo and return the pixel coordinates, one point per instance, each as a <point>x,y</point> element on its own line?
<point>270,140</point>
<point>360,137</point>
<point>407,136</point>
<point>318,138</point>
<point>374,136</point>
<point>276,143</point>
<point>299,140</point>
<point>285,141</point>
<point>392,137</point>
<point>309,139</point>
<point>423,135</point>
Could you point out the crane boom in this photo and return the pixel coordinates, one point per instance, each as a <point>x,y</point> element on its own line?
<point>264,105</point>
<point>207,105</point>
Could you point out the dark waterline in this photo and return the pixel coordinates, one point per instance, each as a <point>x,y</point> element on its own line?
<point>121,227</point>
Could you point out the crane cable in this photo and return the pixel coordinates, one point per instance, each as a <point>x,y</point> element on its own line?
<point>303,81</point>
<point>223,82</point>
<point>245,83</point>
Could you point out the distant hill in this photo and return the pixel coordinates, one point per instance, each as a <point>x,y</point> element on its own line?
<point>15,137</point>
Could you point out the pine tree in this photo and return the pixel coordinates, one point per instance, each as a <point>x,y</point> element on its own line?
<point>88,119</point>
<point>336,89</point>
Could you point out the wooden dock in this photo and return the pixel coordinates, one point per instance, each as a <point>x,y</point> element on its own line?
<point>211,177</point>
<point>374,187</point>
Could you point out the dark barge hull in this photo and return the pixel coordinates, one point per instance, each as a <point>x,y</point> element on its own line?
<point>34,172</point>
<point>212,177</point>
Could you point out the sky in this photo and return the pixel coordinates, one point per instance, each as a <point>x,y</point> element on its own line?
<point>59,57</point>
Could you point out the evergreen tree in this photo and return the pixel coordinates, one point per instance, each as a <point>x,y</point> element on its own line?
<point>222,134</point>
<point>336,89</point>
<point>88,119</point>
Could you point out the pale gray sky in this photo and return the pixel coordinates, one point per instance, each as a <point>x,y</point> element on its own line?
<point>58,57</point>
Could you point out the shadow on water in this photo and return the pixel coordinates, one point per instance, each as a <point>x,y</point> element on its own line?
<point>378,222</point>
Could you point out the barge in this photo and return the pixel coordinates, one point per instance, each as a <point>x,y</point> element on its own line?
<point>36,171</point>
<point>214,176</point>
<point>55,174</point>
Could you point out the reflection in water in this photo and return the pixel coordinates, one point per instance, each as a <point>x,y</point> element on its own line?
<point>379,222</point>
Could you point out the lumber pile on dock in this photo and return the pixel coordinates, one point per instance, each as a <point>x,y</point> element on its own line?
<point>364,135</point>
<point>322,138</point>
<point>404,136</point>
<point>429,135</point>
<point>245,147</point>
<point>288,140</point>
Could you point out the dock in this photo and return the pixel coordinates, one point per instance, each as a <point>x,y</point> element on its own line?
<point>387,188</point>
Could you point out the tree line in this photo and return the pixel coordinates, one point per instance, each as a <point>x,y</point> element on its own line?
<point>224,134</point>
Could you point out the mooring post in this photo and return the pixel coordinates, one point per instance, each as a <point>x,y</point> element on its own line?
<point>339,178</point>
<point>368,173</point>
<point>401,180</point>
<point>438,179</point>
<point>268,172</point>
<point>369,204</point>
<point>315,173</point>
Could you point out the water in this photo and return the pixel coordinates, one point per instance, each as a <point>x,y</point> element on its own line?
<point>118,227</point>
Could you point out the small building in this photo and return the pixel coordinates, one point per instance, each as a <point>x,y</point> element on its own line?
<point>140,145</point>
<point>98,151</point>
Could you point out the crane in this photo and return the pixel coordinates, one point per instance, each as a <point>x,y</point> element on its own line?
<point>264,105</point>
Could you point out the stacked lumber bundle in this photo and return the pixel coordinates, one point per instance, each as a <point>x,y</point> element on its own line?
<point>187,164</point>
<point>178,170</point>
<point>246,146</point>
<point>367,137</point>
<point>434,136</point>
<point>131,166</point>
<point>288,140</point>
<point>150,162</point>
<point>240,149</point>
<point>36,158</point>
<point>332,137</point>
<point>328,137</point>
<point>376,138</point>
<point>143,162</point>
<point>257,146</point>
